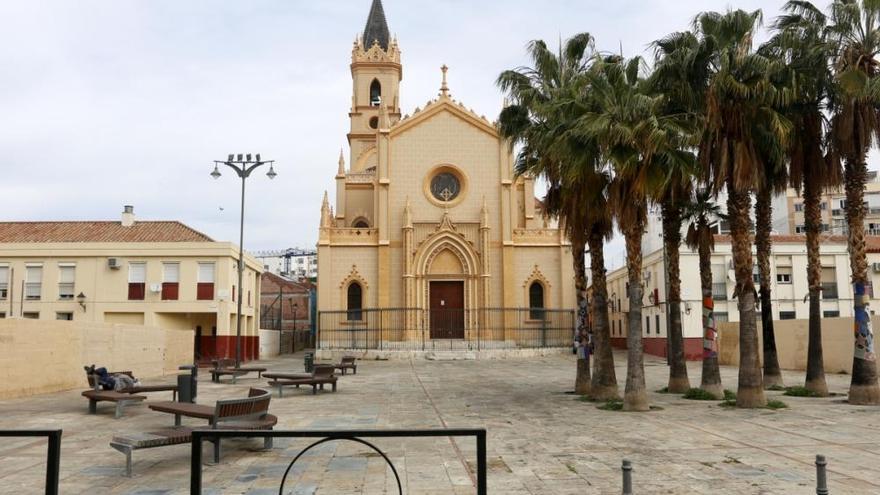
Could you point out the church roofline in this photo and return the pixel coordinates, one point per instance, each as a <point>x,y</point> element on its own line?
<point>434,107</point>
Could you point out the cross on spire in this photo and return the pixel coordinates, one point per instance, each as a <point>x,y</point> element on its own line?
<point>444,89</point>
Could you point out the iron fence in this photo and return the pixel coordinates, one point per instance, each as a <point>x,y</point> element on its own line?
<point>445,329</point>
<point>199,436</point>
<point>53,453</point>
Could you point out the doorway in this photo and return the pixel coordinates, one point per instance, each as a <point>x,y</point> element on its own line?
<point>447,310</point>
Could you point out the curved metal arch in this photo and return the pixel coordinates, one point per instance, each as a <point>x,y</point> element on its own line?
<point>353,439</point>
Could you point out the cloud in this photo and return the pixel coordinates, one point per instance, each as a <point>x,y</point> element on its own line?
<point>128,102</point>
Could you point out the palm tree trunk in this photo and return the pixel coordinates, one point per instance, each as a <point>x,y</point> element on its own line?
<point>582,375</point>
<point>711,377</point>
<point>635,397</point>
<point>863,387</point>
<point>815,380</point>
<point>750,389</point>
<point>678,377</point>
<point>763,226</point>
<point>604,380</point>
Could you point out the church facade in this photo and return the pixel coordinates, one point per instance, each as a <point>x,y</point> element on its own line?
<point>429,216</point>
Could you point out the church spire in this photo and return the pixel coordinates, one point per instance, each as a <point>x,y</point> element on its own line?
<point>376,29</point>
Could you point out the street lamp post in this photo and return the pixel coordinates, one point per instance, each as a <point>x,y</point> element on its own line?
<point>243,166</point>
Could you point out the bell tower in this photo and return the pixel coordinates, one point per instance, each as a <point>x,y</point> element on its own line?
<point>376,74</point>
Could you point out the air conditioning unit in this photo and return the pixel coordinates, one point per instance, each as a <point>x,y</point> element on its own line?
<point>156,288</point>
<point>114,263</point>
<point>876,267</point>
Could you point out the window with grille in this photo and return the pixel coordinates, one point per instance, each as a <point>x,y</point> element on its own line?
<point>4,282</point>
<point>536,301</point>
<point>355,302</point>
<point>170,281</point>
<point>205,285</point>
<point>787,315</point>
<point>829,282</point>
<point>783,275</point>
<point>65,316</point>
<point>137,281</point>
<point>33,285</point>
<point>66,281</point>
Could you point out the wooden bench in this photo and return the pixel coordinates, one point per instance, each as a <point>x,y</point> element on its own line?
<point>224,367</point>
<point>322,375</point>
<point>140,389</point>
<point>250,413</point>
<point>121,400</point>
<point>347,363</point>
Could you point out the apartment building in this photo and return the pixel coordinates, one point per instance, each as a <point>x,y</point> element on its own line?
<point>153,273</point>
<point>833,206</point>
<point>291,263</point>
<point>788,272</point>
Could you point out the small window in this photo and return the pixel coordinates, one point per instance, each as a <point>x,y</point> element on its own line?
<point>66,281</point>
<point>355,302</point>
<point>536,301</point>
<point>787,315</point>
<point>137,281</point>
<point>2,315</point>
<point>4,282</point>
<point>657,324</point>
<point>170,281</point>
<point>830,314</point>
<point>65,316</point>
<point>783,275</point>
<point>205,285</point>
<point>31,315</point>
<point>798,207</point>
<point>33,286</point>
<point>823,206</point>
<point>647,325</point>
<point>375,93</point>
<point>374,122</point>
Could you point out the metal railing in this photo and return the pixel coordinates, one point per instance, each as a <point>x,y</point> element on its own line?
<point>53,454</point>
<point>323,436</point>
<point>414,329</point>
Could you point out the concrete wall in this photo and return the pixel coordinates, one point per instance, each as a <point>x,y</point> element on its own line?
<point>270,343</point>
<point>41,356</point>
<point>792,341</point>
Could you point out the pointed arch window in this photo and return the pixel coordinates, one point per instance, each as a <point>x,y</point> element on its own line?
<point>536,301</point>
<point>355,302</point>
<point>375,93</point>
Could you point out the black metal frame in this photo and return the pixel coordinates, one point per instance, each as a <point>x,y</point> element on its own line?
<point>327,435</point>
<point>53,455</point>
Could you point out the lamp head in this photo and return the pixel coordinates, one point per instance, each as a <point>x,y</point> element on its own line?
<point>216,173</point>
<point>271,173</point>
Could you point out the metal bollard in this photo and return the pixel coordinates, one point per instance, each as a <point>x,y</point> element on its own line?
<point>627,477</point>
<point>821,475</point>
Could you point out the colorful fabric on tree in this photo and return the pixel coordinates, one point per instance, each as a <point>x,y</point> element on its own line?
<point>710,333</point>
<point>864,336</point>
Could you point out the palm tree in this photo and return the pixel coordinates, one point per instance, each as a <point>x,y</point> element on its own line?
<point>741,123</point>
<point>700,214</point>
<point>538,120</point>
<point>641,144</point>
<point>800,41</point>
<point>855,126</point>
<point>676,75</point>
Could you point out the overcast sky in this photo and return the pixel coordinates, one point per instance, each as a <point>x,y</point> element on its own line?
<point>113,102</point>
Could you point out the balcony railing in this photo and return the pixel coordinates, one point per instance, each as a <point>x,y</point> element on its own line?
<point>415,329</point>
<point>719,291</point>
<point>829,290</point>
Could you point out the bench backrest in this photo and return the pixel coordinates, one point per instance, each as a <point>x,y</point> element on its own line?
<point>255,406</point>
<point>323,371</point>
<point>224,363</point>
<point>348,360</point>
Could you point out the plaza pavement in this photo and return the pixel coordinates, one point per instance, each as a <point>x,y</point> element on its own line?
<point>540,439</point>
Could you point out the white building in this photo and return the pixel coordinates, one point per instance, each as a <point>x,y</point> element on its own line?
<point>788,272</point>
<point>292,263</point>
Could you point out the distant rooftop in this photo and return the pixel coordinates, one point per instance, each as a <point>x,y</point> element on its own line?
<point>99,231</point>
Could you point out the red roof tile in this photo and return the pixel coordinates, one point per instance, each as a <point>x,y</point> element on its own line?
<point>141,231</point>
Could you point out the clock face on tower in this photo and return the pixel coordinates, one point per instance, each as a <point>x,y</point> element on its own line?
<point>445,186</point>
